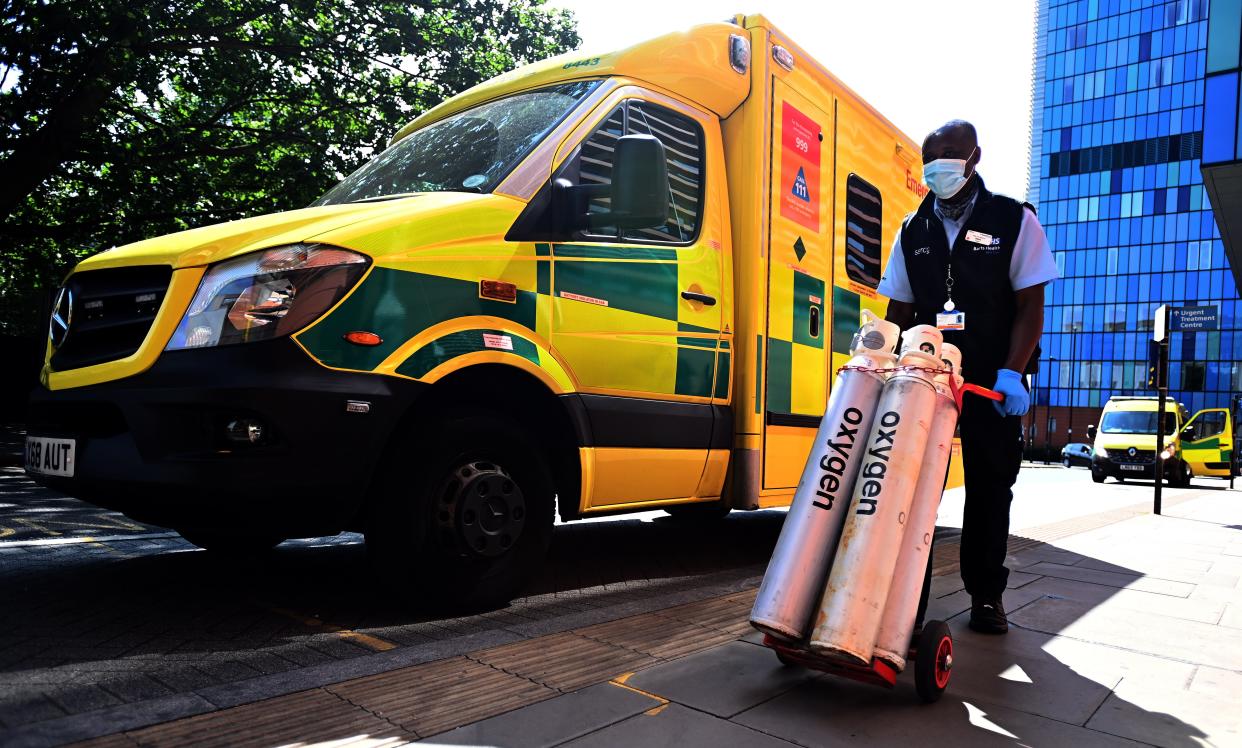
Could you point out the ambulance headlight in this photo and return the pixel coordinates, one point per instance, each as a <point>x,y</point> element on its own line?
<point>267,294</point>
<point>1101,453</point>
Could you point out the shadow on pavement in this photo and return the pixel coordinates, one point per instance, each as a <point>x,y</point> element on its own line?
<point>1070,661</point>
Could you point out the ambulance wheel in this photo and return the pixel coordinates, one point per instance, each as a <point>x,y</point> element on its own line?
<point>465,513</point>
<point>933,663</point>
<point>1098,477</point>
<point>1181,476</point>
<point>716,510</point>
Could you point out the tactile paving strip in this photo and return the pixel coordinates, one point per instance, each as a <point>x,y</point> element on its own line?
<point>437,696</point>
<point>565,661</point>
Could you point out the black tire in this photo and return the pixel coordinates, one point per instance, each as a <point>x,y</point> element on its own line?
<point>712,512</point>
<point>231,546</point>
<point>1066,462</point>
<point>933,662</point>
<point>1098,477</point>
<point>465,514</point>
<point>1182,476</point>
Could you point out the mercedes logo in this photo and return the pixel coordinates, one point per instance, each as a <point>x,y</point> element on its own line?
<point>1132,451</point>
<point>62,317</point>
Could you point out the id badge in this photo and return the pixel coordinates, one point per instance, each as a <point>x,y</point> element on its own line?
<point>951,320</point>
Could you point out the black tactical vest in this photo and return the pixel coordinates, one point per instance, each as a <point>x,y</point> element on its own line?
<point>981,286</point>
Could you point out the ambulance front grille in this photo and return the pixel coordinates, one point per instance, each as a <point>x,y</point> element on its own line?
<point>112,313</point>
<point>1141,457</point>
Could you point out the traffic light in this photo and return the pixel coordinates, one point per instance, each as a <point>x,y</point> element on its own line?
<point>1153,365</point>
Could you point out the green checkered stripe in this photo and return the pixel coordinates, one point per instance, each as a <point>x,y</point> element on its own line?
<point>399,304</point>
<point>846,312</point>
<point>459,344</point>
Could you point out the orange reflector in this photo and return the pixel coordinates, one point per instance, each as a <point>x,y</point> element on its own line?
<point>498,290</point>
<point>361,337</point>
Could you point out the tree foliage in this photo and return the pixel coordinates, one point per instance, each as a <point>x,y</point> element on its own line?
<point>128,119</point>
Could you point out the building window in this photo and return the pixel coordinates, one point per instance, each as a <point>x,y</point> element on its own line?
<point>1193,374</point>
<point>863,210</point>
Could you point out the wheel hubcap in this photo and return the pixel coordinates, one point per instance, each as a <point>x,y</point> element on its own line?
<point>482,510</point>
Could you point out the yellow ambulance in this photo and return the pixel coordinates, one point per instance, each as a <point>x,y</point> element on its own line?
<point>595,284</point>
<point>1124,445</point>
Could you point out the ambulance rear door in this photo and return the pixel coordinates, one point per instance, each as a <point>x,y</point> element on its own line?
<point>1207,442</point>
<point>799,278</point>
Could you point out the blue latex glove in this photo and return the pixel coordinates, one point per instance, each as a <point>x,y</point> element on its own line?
<point>1017,399</point>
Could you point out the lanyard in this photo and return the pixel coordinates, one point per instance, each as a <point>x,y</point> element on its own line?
<point>948,288</point>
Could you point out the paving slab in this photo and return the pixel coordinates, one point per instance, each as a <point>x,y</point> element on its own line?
<point>1034,682</point>
<point>555,721</point>
<point>1186,608</point>
<point>830,711</point>
<point>675,726</point>
<point>1188,641</point>
<point>1232,616</point>
<point>1145,712</point>
<point>721,681</point>
<point>1119,578</point>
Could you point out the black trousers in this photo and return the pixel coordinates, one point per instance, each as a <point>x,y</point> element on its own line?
<point>991,458</point>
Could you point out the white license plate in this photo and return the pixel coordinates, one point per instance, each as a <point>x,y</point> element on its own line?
<point>1133,467</point>
<point>47,456</point>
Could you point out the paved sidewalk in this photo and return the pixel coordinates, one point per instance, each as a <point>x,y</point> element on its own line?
<point>1129,629</point>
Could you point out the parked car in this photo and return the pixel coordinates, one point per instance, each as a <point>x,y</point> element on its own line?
<point>1076,453</point>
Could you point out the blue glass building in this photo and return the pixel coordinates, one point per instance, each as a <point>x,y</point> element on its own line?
<point>1129,104</point>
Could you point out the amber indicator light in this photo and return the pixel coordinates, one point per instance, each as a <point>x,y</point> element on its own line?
<point>361,337</point>
<point>498,290</point>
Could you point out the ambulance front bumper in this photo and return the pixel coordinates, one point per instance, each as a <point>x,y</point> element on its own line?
<point>254,437</point>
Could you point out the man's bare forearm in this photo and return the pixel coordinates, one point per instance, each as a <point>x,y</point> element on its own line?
<point>901,313</point>
<point>1028,324</point>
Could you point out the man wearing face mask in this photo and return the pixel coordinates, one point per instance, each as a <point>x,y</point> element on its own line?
<point>974,264</point>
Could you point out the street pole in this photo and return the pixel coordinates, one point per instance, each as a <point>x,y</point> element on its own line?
<point>1048,414</point>
<point>1162,392</point>
<point>1074,364</point>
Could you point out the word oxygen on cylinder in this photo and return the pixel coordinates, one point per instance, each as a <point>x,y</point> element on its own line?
<point>833,465</point>
<point>873,471</point>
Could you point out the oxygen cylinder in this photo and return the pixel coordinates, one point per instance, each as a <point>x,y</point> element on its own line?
<point>857,589</point>
<point>893,641</point>
<point>795,576</point>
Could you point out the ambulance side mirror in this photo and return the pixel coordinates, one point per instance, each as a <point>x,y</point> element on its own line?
<point>1091,432</point>
<point>639,183</point>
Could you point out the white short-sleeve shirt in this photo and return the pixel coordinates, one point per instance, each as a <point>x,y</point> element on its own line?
<point>1032,262</point>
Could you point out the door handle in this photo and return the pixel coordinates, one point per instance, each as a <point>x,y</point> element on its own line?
<point>702,298</point>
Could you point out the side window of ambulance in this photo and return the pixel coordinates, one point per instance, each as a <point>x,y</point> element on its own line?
<point>683,149</point>
<point>863,210</point>
<point>1208,424</point>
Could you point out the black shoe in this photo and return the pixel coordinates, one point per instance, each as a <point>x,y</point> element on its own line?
<point>988,616</point>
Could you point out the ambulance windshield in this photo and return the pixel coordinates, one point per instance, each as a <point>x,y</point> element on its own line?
<point>471,151</point>
<point>1135,422</point>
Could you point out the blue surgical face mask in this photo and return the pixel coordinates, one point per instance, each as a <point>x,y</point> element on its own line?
<point>946,176</point>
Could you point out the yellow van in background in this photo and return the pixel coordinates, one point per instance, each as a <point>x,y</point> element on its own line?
<point>1125,442</point>
<point>596,284</point>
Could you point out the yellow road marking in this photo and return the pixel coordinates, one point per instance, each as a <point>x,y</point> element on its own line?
<point>115,525</point>
<point>620,682</point>
<point>366,640</point>
<point>7,531</point>
<point>35,525</point>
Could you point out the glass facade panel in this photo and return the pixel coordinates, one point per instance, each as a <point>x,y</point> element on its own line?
<point>1223,37</point>
<point>1221,120</point>
<point>1124,115</point>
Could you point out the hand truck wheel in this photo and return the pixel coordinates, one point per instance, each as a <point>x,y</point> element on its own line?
<point>933,663</point>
